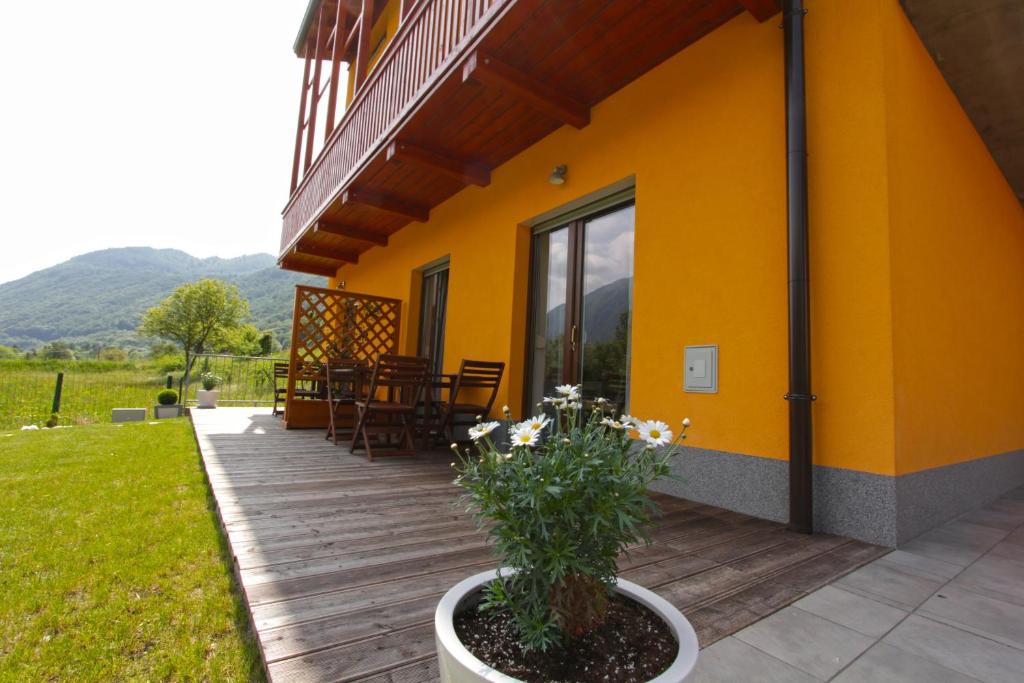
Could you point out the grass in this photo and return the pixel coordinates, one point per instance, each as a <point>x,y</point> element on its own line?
<point>93,388</point>
<point>113,564</point>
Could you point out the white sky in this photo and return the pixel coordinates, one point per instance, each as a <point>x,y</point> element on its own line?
<point>137,123</point>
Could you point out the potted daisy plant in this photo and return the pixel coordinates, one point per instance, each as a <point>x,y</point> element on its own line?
<point>562,500</point>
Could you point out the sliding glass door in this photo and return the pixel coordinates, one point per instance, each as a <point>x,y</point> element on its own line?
<point>433,306</point>
<point>581,301</point>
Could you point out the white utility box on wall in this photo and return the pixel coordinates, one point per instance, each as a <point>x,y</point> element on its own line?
<point>700,369</point>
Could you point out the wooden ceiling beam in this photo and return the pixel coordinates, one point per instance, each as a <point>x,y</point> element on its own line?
<point>763,10</point>
<point>464,171</point>
<point>382,202</point>
<point>488,70</point>
<point>332,253</point>
<point>295,267</point>
<point>351,232</point>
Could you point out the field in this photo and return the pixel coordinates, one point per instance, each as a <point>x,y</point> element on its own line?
<point>114,567</point>
<point>92,388</point>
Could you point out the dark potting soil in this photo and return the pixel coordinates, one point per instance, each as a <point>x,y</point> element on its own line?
<point>633,645</point>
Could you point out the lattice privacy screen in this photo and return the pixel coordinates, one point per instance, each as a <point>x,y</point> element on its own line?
<point>334,324</point>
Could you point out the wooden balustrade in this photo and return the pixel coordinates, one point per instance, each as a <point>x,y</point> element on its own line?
<point>432,37</point>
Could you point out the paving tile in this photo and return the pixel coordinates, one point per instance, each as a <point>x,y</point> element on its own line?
<point>979,614</point>
<point>975,535</point>
<point>1011,551</point>
<point>864,615</point>
<point>1016,537</point>
<point>808,642</point>
<point>733,660</point>
<point>895,586</point>
<point>955,542</point>
<point>917,564</point>
<point>887,663</point>
<point>959,650</point>
<point>994,576</point>
<point>994,518</point>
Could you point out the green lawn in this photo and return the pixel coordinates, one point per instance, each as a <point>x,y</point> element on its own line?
<point>112,566</point>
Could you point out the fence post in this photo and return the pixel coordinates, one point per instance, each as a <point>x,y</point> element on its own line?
<point>56,393</point>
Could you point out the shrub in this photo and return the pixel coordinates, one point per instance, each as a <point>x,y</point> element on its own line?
<point>210,381</point>
<point>565,500</point>
<point>52,422</point>
<point>167,397</point>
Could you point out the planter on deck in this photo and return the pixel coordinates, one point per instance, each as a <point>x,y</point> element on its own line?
<point>207,398</point>
<point>458,665</point>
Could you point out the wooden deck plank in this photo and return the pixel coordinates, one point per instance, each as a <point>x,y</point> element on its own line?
<point>343,561</point>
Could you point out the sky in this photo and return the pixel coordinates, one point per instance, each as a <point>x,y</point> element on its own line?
<point>128,123</point>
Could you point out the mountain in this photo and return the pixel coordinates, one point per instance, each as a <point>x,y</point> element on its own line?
<point>602,308</point>
<point>99,297</point>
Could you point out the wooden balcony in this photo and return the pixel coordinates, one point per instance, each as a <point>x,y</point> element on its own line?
<point>463,86</point>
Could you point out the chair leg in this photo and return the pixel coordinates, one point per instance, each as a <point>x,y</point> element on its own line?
<point>358,430</point>
<point>406,437</point>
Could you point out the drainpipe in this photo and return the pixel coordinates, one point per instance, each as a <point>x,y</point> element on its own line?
<point>799,396</point>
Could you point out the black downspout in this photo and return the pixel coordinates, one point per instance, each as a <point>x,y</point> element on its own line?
<point>801,506</point>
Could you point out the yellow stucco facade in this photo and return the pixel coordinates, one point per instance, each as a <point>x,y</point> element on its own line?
<point>917,247</point>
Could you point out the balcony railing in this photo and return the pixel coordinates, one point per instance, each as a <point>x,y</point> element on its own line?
<point>429,42</point>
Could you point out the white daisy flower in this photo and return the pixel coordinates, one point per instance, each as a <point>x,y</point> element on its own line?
<point>686,422</point>
<point>655,432</point>
<point>570,392</point>
<point>525,436</point>
<point>629,422</point>
<point>575,405</point>
<point>481,430</point>
<point>537,422</point>
<point>609,422</point>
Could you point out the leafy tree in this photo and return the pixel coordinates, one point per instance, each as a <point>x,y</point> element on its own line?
<point>112,354</point>
<point>57,350</point>
<point>243,340</point>
<point>196,316</point>
<point>268,344</point>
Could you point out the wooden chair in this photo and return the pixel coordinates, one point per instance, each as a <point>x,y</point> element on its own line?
<point>389,407</point>
<point>343,380</point>
<point>435,398</point>
<point>480,377</point>
<point>280,392</point>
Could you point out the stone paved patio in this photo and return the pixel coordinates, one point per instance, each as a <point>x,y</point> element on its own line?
<point>948,606</point>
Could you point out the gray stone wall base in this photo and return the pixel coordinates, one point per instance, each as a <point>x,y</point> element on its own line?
<point>869,507</point>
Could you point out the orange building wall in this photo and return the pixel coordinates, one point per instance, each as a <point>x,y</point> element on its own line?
<point>957,247</point>
<point>703,135</point>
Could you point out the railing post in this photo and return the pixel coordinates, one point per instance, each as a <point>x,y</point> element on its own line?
<point>57,390</point>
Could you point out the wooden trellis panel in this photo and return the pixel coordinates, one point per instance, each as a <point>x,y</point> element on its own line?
<point>335,324</point>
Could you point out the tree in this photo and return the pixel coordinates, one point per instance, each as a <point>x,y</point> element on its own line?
<point>9,352</point>
<point>195,316</point>
<point>112,353</point>
<point>57,350</point>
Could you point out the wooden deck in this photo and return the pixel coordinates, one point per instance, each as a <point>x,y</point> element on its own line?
<point>343,561</point>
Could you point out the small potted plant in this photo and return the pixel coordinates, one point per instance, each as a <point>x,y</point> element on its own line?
<point>167,405</point>
<point>562,502</point>
<point>208,395</point>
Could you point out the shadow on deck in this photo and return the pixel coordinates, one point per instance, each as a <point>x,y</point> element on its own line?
<point>343,561</point>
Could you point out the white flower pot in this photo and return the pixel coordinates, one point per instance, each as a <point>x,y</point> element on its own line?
<point>207,399</point>
<point>458,665</point>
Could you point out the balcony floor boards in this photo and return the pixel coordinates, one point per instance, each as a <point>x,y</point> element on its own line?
<point>342,561</point>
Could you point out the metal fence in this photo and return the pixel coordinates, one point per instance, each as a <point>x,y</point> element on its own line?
<point>244,380</point>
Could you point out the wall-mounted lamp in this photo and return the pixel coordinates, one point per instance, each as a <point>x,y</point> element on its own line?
<point>557,176</point>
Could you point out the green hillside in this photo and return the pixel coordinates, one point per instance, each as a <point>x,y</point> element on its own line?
<point>98,298</point>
